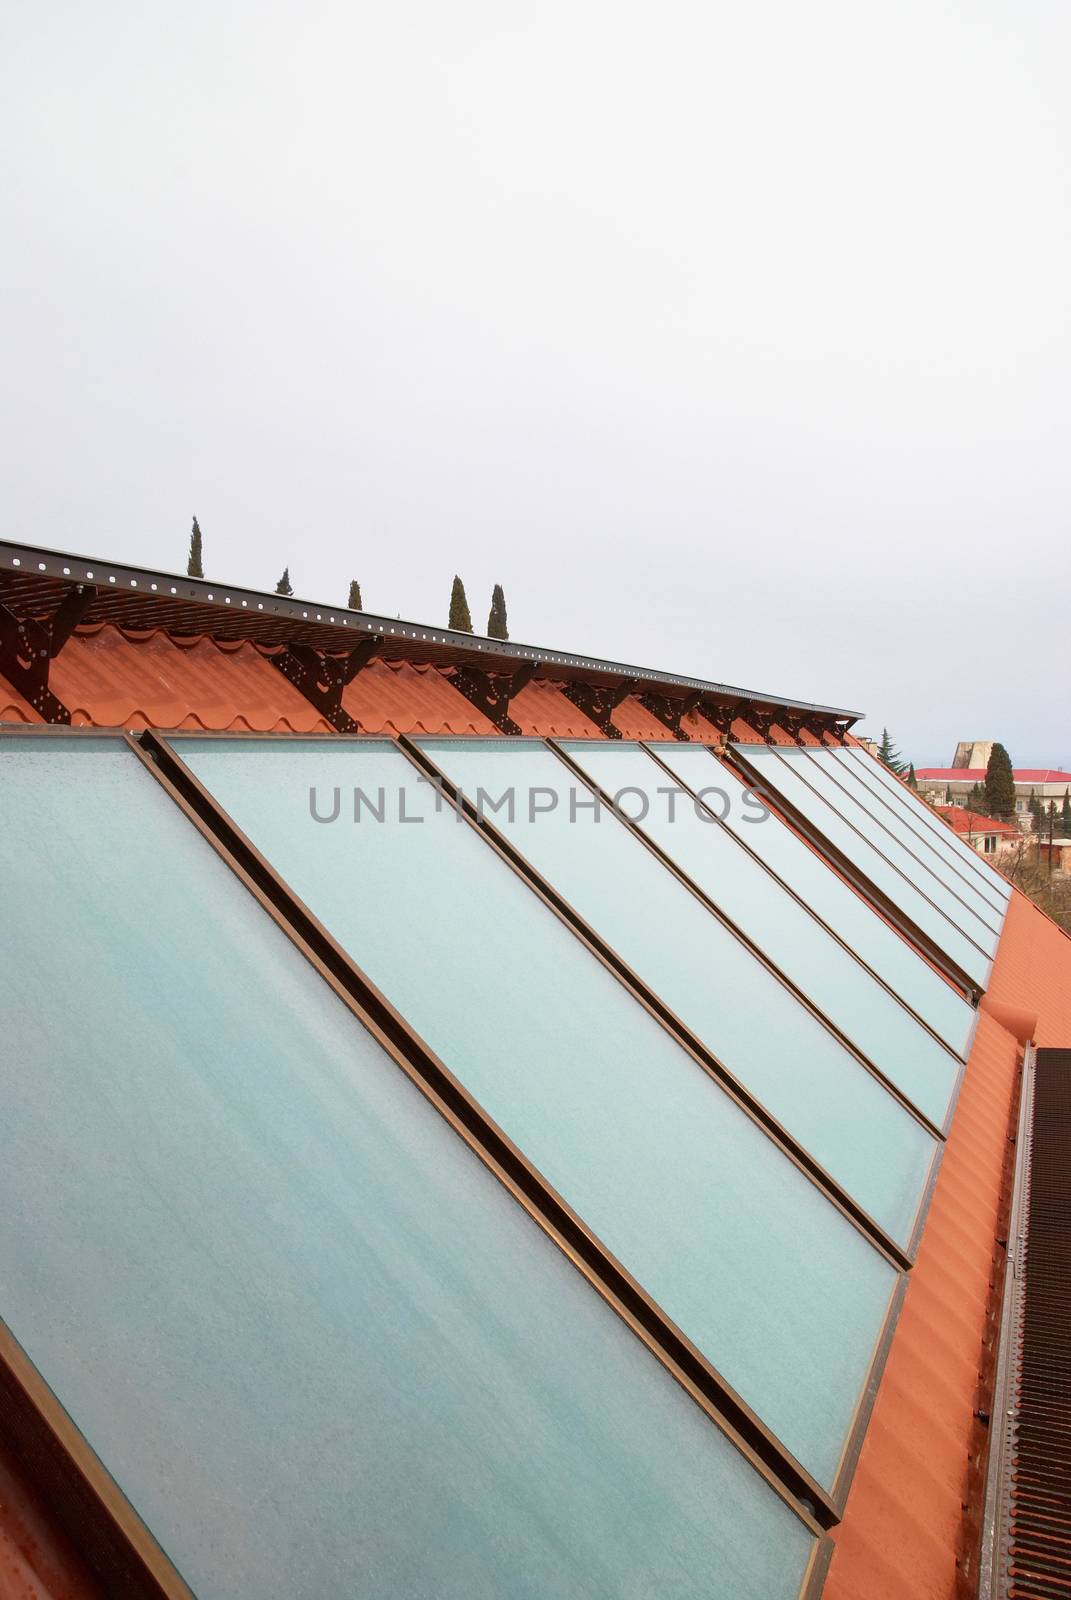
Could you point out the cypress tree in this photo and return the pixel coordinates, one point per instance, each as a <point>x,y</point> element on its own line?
<point>976,800</point>
<point>283,586</point>
<point>1065,814</point>
<point>1000,785</point>
<point>1033,805</point>
<point>194,569</point>
<point>911,778</point>
<point>948,794</point>
<point>496,622</point>
<point>889,754</point>
<point>355,602</point>
<point>460,620</point>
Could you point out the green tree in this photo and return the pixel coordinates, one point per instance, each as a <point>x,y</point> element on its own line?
<point>911,778</point>
<point>948,794</point>
<point>283,586</point>
<point>496,622</point>
<point>1033,805</point>
<point>460,620</point>
<point>355,602</point>
<point>194,568</point>
<point>889,754</point>
<point>976,801</point>
<point>1000,785</point>
<point>1065,815</point>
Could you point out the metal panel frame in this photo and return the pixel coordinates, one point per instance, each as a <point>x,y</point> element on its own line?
<point>835,808</point>
<point>735,756</point>
<point>895,787</point>
<point>836,770</point>
<point>102,1519</point>
<point>652,751</point>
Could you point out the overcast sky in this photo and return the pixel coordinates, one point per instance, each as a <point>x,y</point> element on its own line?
<point>731,338</point>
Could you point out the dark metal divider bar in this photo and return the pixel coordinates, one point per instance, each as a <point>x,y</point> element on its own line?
<point>652,751</point>
<point>908,929</point>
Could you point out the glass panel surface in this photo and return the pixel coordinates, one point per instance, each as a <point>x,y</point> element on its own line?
<point>319,1347</point>
<point>772,1284</point>
<point>838,905</point>
<point>858,807</point>
<point>920,811</point>
<point>784,779</point>
<point>841,768</point>
<point>736,1001</point>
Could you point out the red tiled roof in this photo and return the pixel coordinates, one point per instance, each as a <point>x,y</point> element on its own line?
<point>542,708</point>
<point>108,677</point>
<point>13,707</point>
<point>977,775</point>
<point>394,697</point>
<point>905,1535</point>
<point>964,821</point>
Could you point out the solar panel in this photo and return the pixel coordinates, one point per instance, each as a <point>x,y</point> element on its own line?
<point>933,827</point>
<point>732,1002</point>
<point>861,809</point>
<point>856,842</point>
<point>845,913</point>
<point>772,1284</point>
<point>865,1013</point>
<point>315,1342</point>
<point>842,770</point>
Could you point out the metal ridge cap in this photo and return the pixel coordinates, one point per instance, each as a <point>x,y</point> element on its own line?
<point>295,608</point>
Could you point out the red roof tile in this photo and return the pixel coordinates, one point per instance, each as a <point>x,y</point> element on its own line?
<point>633,721</point>
<point>394,697</point>
<point>111,678</point>
<point>36,1561</point>
<point>542,708</point>
<point>13,707</point>
<point>977,775</point>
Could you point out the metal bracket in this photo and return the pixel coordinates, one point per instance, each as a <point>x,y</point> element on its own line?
<point>491,692</point>
<point>761,718</point>
<point>28,646</point>
<point>599,705</point>
<point>669,711</point>
<point>322,678</point>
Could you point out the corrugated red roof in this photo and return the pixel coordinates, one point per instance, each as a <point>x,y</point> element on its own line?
<point>909,1530</point>
<point>542,708</point>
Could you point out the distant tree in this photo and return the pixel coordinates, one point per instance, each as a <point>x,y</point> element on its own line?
<point>911,778</point>
<point>496,622</point>
<point>889,754</point>
<point>1033,805</point>
<point>948,794</point>
<point>194,568</point>
<point>1065,815</point>
<point>460,619</point>
<point>355,602</point>
<point>1000,785</point>
<point>283,586</point>
<point>976,800</point>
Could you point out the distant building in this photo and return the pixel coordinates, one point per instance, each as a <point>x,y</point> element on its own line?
<point>984,834</point>
<point>954,784</point>
<point>973,753</point>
